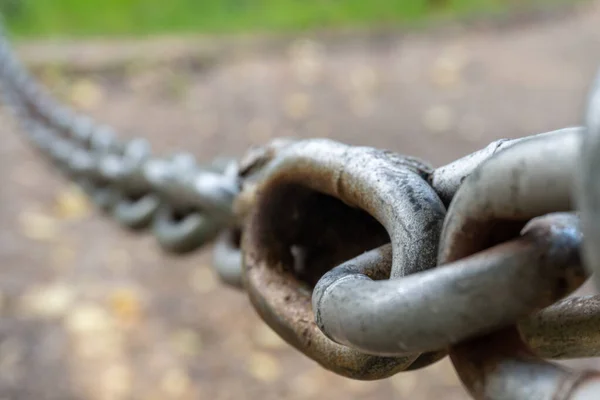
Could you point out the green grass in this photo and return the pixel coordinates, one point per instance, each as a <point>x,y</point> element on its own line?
<point>141,17</point>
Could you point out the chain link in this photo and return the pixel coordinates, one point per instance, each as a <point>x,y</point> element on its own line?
<point>371,262</point>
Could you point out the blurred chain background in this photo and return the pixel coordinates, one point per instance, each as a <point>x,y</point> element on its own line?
<point>89,311</point>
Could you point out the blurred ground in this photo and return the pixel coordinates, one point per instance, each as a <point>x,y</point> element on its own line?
<point>92,312</point>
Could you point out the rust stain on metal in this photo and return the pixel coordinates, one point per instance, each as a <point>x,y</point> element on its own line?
<point>318,204</point>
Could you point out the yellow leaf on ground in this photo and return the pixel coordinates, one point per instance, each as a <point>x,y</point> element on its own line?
<point>297,105</point>
<point>38,226</point>
<point>72,204</point>
<point>446,71</point>
<point>48,301</point>
<point>405,384</point>
<point>86,94</point>
<point>439,119</point>
<point>126,305</point>
<point>203,280</point>
<point>89,318</point>
<point>264,367</point>
<point>265,337</point>
<point>306,59</point>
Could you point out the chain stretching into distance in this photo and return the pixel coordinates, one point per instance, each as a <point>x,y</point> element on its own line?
<point>371,262</point>
<point>185,204</point>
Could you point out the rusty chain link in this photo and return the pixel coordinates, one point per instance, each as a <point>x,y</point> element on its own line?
<point>367,261</point>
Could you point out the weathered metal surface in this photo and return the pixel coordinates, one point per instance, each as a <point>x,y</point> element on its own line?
<point>447,179</point>
<point>588,190</point>
<point>532,178</point>
<point>309,206</point>
<point>434,309</point>
<point>501,367</point>
<point>529,179</point>
<point>568,329</point>
<point>320,203</point>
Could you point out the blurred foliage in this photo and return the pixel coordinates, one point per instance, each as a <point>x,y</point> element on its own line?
<point>124,17</point>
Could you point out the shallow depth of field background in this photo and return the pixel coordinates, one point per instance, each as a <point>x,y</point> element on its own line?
<point>90,311</point>
<point>141,17</point>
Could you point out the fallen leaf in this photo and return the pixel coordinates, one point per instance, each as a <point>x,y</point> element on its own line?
<point>405,384</point>
<point>89,318</point>
<point>38,226</point>
<point>446,71</point>
<point>265,337</point>
<point>306,59</point>
<point>86,94</point>
<point>264,367</point>
<point>439,119</point>
<point>126,305</point>
<point>72,204</point>
<point>50,301</point>
<point>297,105</point>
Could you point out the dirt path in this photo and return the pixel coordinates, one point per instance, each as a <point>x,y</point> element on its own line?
<point>92,312</point>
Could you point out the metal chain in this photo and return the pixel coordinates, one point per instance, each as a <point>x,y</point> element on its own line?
<point>186,204</point>
<point>371,262</point>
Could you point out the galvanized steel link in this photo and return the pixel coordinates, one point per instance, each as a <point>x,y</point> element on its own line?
<point>500,365</point>
<point>355,305</point>
<point>526,181</point>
